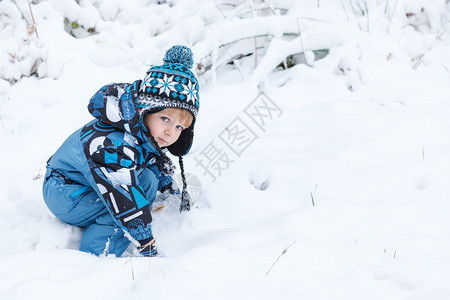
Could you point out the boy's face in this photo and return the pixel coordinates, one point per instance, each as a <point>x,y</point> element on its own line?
<point>165,126</point>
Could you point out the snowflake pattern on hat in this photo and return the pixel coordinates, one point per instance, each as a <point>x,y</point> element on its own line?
<point>173,81</point>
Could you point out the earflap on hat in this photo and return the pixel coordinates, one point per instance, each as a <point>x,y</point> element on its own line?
<point>144,113</point>
<point>184,143</point>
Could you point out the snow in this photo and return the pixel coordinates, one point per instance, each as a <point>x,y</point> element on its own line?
<point>342,194</point>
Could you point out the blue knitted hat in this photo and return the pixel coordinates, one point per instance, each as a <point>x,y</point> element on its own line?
<point>171,85</point>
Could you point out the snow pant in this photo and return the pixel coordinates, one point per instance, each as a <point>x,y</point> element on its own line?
<point>80,205</point>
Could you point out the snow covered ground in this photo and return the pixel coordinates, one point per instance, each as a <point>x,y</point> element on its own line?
<point>342,192</point>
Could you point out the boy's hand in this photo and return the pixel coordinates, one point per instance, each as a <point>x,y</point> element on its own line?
<point>148,249</point>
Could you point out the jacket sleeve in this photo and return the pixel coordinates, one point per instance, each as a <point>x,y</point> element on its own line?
<point>113,169</point>
<point>110,146</point>
<point>164,180</point>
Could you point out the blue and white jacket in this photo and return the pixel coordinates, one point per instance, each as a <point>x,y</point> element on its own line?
<point>109,153</point>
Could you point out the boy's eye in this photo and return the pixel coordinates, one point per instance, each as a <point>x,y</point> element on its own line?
<point>165,119</point>
<point>179,127</point>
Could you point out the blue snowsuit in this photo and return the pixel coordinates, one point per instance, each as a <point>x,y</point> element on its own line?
<point>104,177</point>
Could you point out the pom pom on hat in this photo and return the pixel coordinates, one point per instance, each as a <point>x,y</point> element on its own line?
<point>179,55</point>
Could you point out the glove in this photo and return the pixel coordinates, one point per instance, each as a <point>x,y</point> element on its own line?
<point>171,189</point>
<point>148,249</point>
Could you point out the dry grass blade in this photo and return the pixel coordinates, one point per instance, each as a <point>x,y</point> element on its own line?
<point>282,253</point>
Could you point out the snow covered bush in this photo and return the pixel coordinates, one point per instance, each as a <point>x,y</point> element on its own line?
<point>426,16</point>
<point>231,39</point>
<point>21,51</point>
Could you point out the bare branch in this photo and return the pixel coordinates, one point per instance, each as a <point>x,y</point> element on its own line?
<point>34,22</point>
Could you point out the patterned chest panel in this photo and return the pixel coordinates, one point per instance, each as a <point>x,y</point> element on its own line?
<point>119,149</point>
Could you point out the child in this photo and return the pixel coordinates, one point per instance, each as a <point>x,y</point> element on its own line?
<point>105,176</point>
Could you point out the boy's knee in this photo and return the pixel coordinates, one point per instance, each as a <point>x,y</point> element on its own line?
<point>72,203</point>
<point>54,196</point>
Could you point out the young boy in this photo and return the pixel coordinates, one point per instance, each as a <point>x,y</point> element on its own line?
<point>105,176</point>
